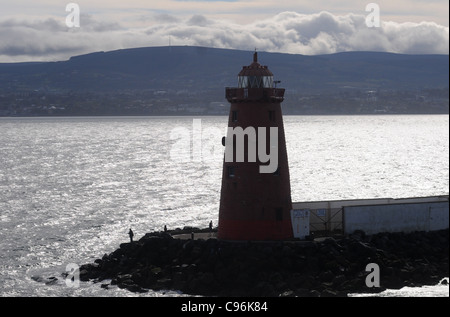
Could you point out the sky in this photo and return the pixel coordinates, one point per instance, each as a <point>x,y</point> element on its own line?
<point>43,30</point>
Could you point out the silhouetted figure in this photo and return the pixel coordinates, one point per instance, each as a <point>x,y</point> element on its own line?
<point>210,228</point>
<point>131,234</point>
<point>165,228</point>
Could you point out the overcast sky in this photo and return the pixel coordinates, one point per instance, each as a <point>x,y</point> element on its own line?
<point>33,30</point>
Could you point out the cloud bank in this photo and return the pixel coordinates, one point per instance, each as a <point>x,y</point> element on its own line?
<point>287,32</point>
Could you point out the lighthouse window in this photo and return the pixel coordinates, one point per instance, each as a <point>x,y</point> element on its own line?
<point>243,82</point>
<point>231,171</point>
<point>234,116</point>
<point>268,81</point>
<point>251,82</point>
<point>255,81</point>
<point>272,116</point>
<point>258,82</point>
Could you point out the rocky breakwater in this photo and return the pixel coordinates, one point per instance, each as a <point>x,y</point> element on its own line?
<point>331,267</point>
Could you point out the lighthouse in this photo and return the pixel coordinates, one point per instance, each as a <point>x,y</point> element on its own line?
<point>255,200</point>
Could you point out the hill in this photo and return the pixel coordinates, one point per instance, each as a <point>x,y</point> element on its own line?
<point>204,72</point>
<point>210,68</point>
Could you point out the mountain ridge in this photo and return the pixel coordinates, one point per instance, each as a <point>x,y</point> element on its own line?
<point>194,67</point>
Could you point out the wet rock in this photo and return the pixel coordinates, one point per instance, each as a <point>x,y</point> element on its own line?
<point>163,283</point>
<point>179,281</point>
<point>328,293</point>
<point>288,293</point>
<point>207,278</point>
<point>135,288</point>
<point>339,280</point>
<point>326,276</point>
<point>51,280</point>
<point>314,293</point>
<point>358,235</point>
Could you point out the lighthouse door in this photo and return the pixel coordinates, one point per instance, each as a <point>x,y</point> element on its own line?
<point>279,220</point>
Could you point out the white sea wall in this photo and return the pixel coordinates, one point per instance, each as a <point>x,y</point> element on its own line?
<point>406,217</point>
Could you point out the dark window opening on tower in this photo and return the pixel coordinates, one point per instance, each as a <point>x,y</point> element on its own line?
<point>234,116</point>
<point>279,214</point>
<point>272,117</point>
<point>231,170</point>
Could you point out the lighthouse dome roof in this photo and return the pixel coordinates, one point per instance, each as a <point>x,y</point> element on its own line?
<point>255,69</point>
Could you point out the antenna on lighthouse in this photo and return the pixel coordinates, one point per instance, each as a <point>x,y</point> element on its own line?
<point>255,56</point>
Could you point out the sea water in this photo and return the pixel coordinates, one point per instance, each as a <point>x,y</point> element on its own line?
<point>71,188</point>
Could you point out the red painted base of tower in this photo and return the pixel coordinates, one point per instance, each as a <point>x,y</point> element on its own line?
<point>254,230</point>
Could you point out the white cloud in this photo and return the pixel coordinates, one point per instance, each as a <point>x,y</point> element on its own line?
<point>288,32</point>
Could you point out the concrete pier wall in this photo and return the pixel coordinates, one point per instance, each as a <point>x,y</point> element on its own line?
<point>378,215</point>
<point>396,217</point>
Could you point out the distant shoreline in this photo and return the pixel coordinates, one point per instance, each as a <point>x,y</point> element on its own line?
<point>224,115</point>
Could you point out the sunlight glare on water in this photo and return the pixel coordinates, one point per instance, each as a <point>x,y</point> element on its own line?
<point>72,187</point>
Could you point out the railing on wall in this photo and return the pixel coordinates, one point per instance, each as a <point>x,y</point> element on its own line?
<point>326,221</point>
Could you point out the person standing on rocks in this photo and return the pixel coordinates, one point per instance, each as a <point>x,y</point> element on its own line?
<point>210,227</point>
<point>131,234</point>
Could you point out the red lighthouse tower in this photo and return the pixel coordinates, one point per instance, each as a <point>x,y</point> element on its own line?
<point>255,200</point>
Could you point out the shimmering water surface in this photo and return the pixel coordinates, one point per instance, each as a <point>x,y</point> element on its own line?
<point>70,188</point>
